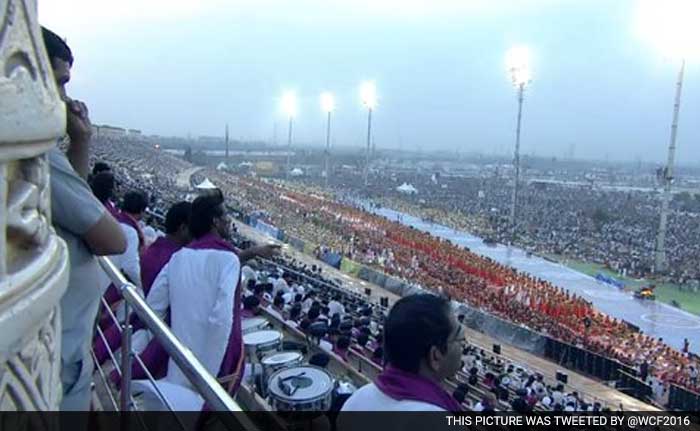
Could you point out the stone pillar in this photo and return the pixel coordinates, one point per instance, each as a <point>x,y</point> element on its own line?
<point>33,260</point>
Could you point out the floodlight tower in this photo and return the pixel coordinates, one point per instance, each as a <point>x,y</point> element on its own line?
<point>518,63</point>
<point>671,26</point>
<point>368,94</point>
<point>327,106</point>
<point>289,107</point>
<point>660,254</point>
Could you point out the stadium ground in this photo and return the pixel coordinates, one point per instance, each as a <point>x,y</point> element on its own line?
<point>665,292</point>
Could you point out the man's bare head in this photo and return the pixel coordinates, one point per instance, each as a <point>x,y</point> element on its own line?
<point>61,59</point>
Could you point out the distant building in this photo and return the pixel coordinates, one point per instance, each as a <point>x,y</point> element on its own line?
<point>108,131</point>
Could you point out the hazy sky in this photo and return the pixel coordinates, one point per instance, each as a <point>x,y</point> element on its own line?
<point>185,66</point>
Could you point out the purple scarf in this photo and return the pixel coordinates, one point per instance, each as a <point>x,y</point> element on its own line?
<point>125,218</point>
<point>154,259</point>
<point>233,358</point>
<point>111,208</point>
<point>154,356</point>
<point>401,385</point>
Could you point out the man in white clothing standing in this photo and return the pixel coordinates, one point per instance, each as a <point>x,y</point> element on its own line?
<point>201,286</point>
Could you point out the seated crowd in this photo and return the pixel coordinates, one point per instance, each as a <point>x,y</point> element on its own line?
<point>419,258</point>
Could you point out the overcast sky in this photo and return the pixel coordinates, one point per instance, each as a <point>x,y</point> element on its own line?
<point>183,66</point>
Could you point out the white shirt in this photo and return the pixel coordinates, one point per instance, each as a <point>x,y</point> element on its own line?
<point>335,307</point>
<point>279,285</point>
<point>248,274</point>
<point>370,398</point>
<point>129,261</point>
<point>326,345</point>
<point>199,287</point>
<point>306,305</point>
<point>150,235</point>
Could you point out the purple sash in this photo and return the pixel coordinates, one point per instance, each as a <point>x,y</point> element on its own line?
<point>113,295</point>
<point>154,357</point>
<point>154,259</point>
<point>111,208</point>
<point>125,218</point>
<point>401,385</point>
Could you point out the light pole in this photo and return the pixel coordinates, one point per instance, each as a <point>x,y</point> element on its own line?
<point>327,106</point>
<point>671,27</point>
<point>517,59</point>
<point>289,107</point>
<point>660,255</point>
<point>368,94</point>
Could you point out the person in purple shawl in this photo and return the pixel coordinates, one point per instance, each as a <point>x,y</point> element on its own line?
<point>153,260</point>
<point>177,235</point>
<point>134,205</point>
<point>422,346</point>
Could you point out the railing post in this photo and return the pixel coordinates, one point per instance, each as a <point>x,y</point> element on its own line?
<point>126,361</point>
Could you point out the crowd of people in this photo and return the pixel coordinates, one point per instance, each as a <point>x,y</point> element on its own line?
<point>611,227</point>
<point>420,258</point>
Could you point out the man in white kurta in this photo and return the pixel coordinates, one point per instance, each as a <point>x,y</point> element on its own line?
<point>199,286</point>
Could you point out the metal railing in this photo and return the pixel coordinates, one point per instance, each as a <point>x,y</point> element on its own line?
<point>206,385</point>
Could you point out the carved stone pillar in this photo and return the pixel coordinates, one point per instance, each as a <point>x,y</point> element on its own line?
<point>33,260</point>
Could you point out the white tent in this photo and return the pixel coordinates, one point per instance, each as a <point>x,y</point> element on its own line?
<point>296,172</point>
<point>407,188</point>
<point>205,185</point>
<point>221,166</point>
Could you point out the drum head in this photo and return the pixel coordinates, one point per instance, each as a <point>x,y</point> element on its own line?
<point>281,358</point>
<point>300,383</point>
<point>261,337</point>
<point>252,322</point>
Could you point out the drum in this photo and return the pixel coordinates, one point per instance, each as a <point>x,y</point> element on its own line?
<point>253,324</point>
<point>281,360</point>
<point>278,361</point>
<point>262,341</point>
<point>306,388</point>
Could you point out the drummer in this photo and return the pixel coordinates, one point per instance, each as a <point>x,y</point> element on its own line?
<point>422,347</point>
